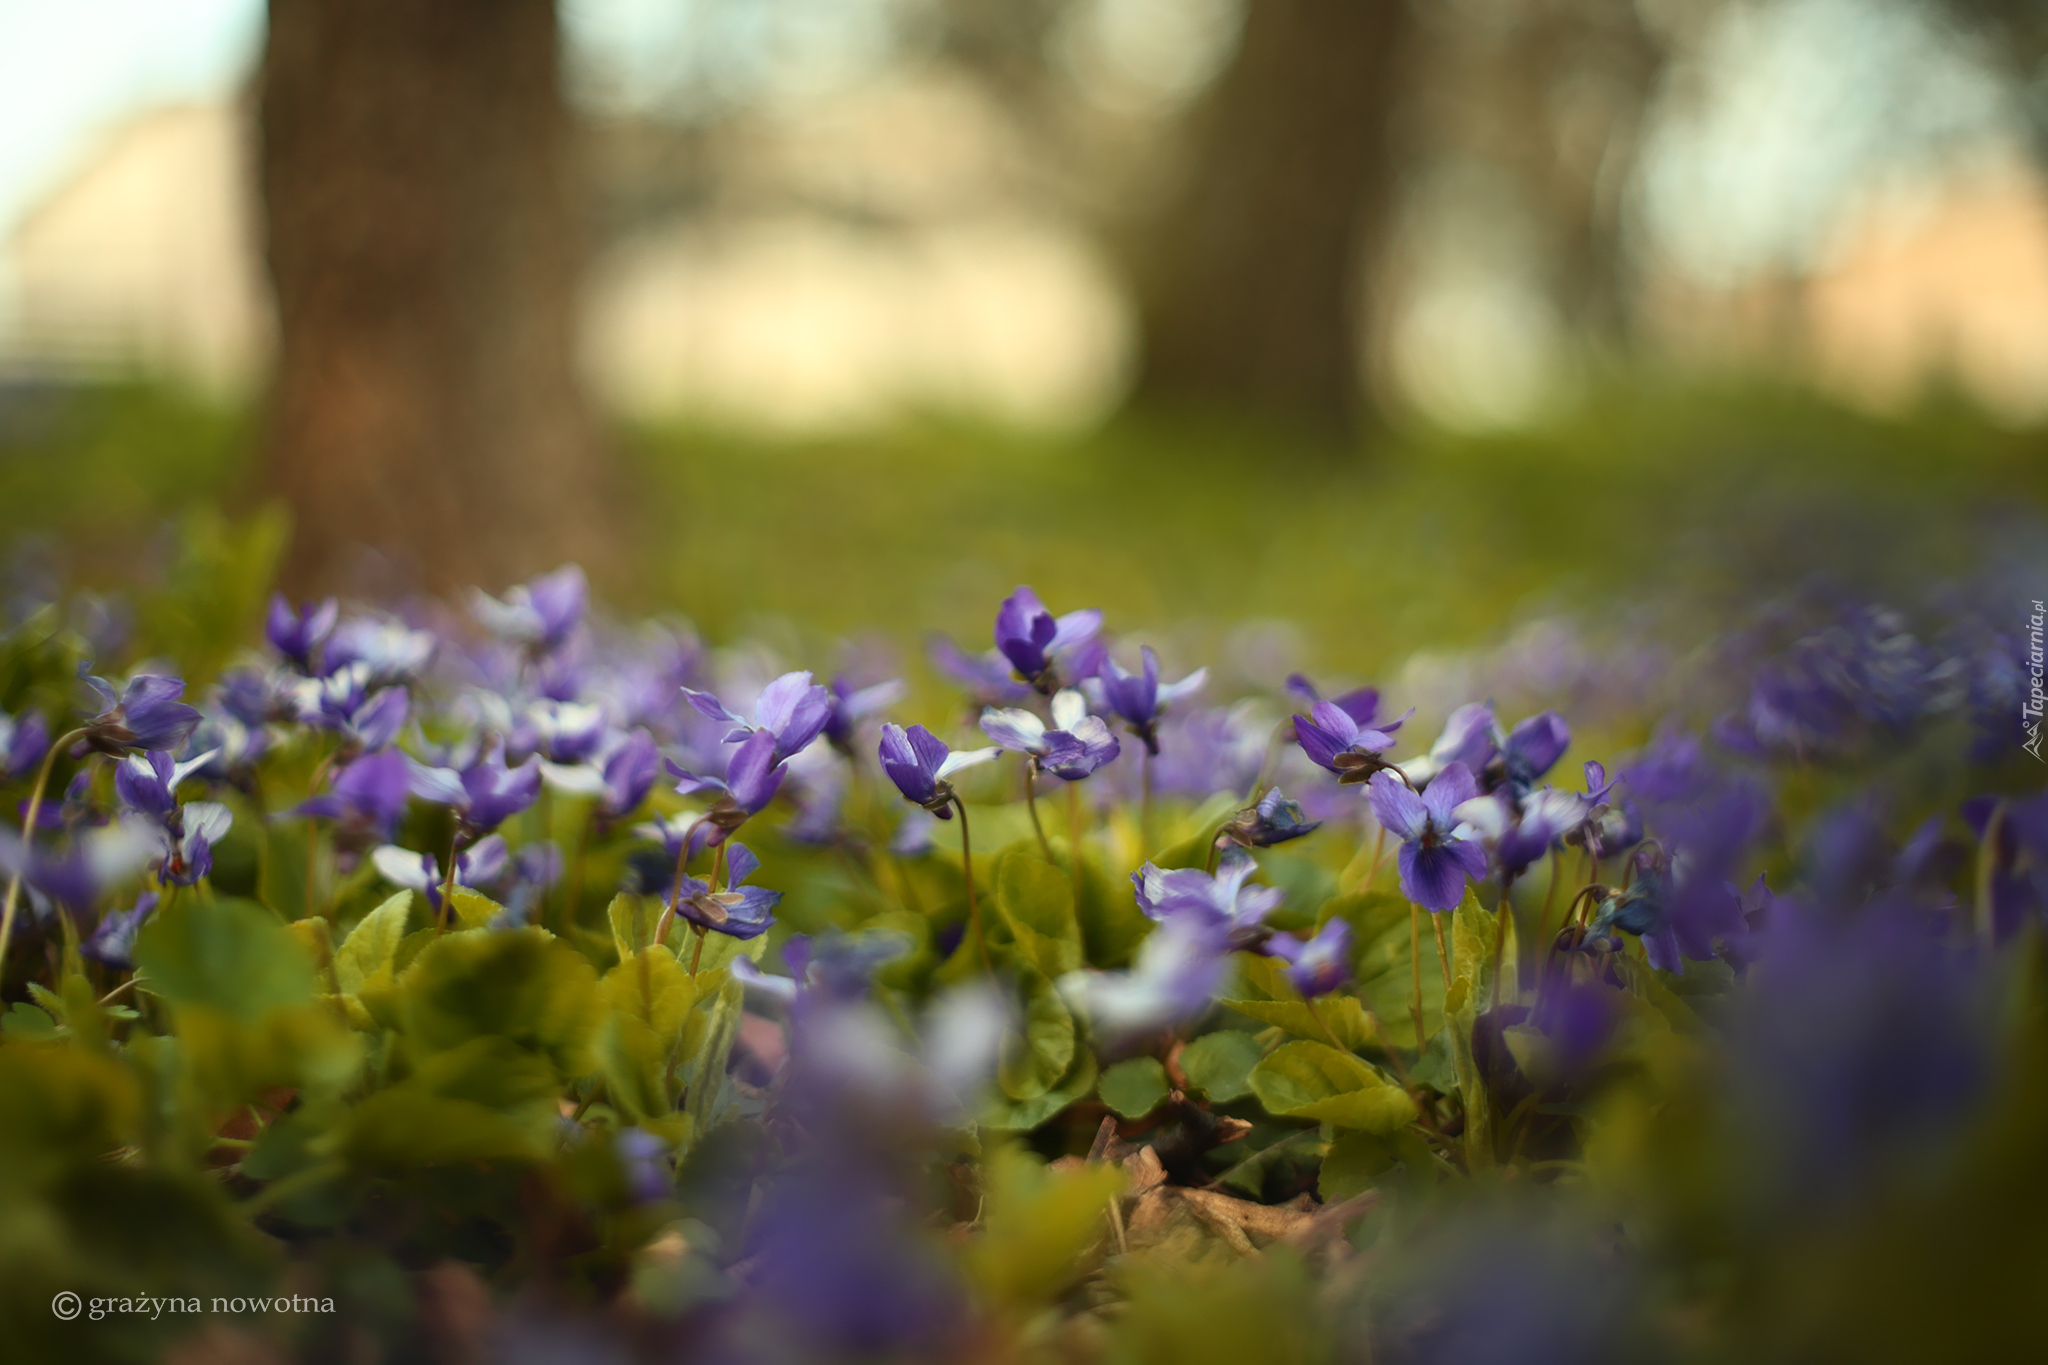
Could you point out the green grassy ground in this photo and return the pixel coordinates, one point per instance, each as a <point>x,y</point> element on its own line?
<point>1646,495</point>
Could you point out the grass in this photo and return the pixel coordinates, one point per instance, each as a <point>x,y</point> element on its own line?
<point>1647,496</point>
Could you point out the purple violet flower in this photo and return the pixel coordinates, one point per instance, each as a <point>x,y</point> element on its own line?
<point>113,943</point>
<point>1438,850</point>
<point>1177,971</point>
<point>567,732</point>
<point>752,777</point>
<point>78,876</point>
<point>1333,738</point>
<point>1274,820</point>
<point>792,708</point>
<point>1221,898</point>
<point>1532,749</point>
<point>478,865</point>
<point>484,795</point>
<point>146,715</point>
<point>148,783</point>
<point>1467,739</point>
<point>629,773</point>
<point>368,794</point>
<point>851,707</point>
<point>297,634</point>
<point>1077,745</point>
<point>1139,699</point>
<point>540,615</point>
<point>188,844</point>
<point>1029,636</point>
<point>986,677</point>
<point>740,912</point>
<point>1362,704</point>
<point>919,763</point>
<point>1643,908</point>
<point>24,740</point>
<point>391,650</point>
<point>367,718</point>
<point>1320,965</point>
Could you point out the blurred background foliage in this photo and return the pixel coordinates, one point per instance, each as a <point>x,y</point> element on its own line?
<point>1397,322</point>
<point>1652,511</point>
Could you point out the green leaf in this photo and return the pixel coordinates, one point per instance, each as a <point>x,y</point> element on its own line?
<point>473,909</point>
<point>1271,999</point>
<point>406,1128</point>
<point>1473,938</point>
<point>1220,1064</point>
<point>648,999</point>
<point>230,955</point>
<point>1354,1161</point>
<point>1036,1225</point>
<point>372,946</point>
<point>709,1047</point>
<point>1112,925</point>
<point>1024,1115</point>
<point>1372,915</point>
<point>522,985</point>
<point>1133,1088</point>
<point>652,987</point>
<point>1033,1063</point>
<point>1386,973</point>
<point>633,919</point>
<point>1207,822</point>
<point>26,1023</point>
<point>1473,943</point>
<point>1316,1081</point>
<point>1036,900</point>
<point>63,1106</point>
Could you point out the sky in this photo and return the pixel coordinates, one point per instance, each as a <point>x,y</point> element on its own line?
<point>71,68</point>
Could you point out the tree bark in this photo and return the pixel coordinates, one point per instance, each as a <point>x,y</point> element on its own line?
<point>416,170</point>
<point>1255,301</point>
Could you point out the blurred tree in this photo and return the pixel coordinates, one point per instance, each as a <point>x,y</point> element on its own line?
<point>1251,293</point>
<point>2015,34</point>
<point>1552,93</point>
<point>416,164</point>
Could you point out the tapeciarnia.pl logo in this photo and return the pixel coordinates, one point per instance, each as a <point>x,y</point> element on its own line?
<point>2030,710</point>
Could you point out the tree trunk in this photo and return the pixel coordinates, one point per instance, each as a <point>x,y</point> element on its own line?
<point>417,189</point>
<point>1255,302</point>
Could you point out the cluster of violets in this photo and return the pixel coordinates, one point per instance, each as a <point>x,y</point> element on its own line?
<point>535,700</point>
<point>532,699</point>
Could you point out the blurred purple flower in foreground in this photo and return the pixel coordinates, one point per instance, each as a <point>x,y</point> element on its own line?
<point>1320,965</point>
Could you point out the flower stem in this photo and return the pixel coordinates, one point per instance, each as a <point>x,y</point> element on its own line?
<point>1074,832</point>
<point>1415,971</point>
<point>575,887</point>
<point>28,834</point>
<point>697,953</point>
<point>1987,873</point>
<point>1443,953</point>
<point>1145,801</point>
<point>675,899</point>
<point>1031,805</point>
<point>1503,912</point>
<point>448,884</point>
<point>967,869</point>
<point>1549,899</point>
